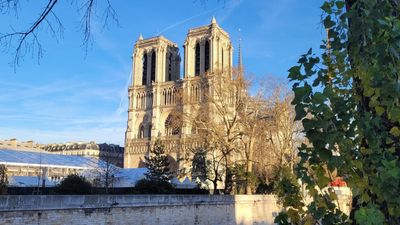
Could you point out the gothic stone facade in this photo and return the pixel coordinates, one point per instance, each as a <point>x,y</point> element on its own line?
<point>158,96</point>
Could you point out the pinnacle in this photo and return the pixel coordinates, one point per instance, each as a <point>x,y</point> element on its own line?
<point>213,21</point>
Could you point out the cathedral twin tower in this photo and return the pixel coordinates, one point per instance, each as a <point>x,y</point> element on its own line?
<point>158,96</point>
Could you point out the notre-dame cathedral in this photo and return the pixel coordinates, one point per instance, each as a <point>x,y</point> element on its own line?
<point>158,95</point>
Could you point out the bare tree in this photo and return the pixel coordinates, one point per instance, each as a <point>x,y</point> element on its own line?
<point>281,134</point>
<point>207,164</point>
<point>253,122</point>
<point>20,42</point>
<point>244,130</point>
<point>217,121</point>
<point>104,173</point>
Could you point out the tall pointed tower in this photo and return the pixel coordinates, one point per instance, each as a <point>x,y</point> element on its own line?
<point>207,49</point>
<point>156,62</point>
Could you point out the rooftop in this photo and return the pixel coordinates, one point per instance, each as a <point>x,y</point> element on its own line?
<point>25,158</point>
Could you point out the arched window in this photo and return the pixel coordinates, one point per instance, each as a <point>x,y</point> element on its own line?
<point>168,126</point>
<point>169,67</point>
<point>196,93</point>
<point>141,131</point>
<point>172,126</point>
<point>144,74</point>
<point>153,66</point>
<point>169,96</point>
<point>149,131</point>
<point>222,64</point>
<point>197,60</point>
<point>143,99</point>
<point>207,56</point>
<point>164,97</point>
<point>147,100</point>
<point>151,100</point>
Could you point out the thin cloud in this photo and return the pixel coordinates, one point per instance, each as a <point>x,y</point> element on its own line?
<point>45,136</point>
<point>228,7</point>
<point>186,20</point>
<point>123,103</point>
<point>228,10</point>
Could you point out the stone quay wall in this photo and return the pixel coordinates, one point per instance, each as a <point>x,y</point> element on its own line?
<point>138,209</point>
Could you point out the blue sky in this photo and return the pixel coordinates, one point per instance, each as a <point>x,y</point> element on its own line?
<point>67,96</point>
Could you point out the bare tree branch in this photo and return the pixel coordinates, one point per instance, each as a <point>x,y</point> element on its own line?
<point>110,13</point>
<point>21,42</point>
<point>23,46</point>
<point>9,5</point>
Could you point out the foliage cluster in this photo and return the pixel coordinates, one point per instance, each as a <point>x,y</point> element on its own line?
<point>157,179</point>
<point>145,186</point>
<point>157,164</point>
<point>348,100</point>
<point>244,178</point>
<point>74,184</point>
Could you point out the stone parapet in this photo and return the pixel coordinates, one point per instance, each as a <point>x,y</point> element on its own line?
<point>139,209</point>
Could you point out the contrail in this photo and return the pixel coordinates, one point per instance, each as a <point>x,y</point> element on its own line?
<point>187,19</point>
<point>121,108</point>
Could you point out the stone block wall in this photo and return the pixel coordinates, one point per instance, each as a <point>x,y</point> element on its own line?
<point>139,209</point>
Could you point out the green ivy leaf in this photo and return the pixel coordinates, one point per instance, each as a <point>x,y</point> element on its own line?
<point>395,131</point>
<point>379,110</point>
<point>369,216</point>
<point>394,114</point>
<point>294,72</point>
<point>318,98</point>
<point>327,7</point>
<point>328,23</point>
<point>340,4</point>
<point>358,73</point>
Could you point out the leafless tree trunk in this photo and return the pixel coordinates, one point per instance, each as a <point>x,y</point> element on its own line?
<point>105,172</point>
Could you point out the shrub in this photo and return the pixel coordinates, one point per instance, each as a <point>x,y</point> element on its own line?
<point>287,188</point>
<point>74,184</point>
<point>145,186</point>
<point>264,188</point>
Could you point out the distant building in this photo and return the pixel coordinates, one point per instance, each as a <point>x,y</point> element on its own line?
<point>44,169</point>
<point>110,153</point>
<point>20,145</point>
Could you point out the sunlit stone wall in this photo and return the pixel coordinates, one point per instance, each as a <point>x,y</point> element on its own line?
<point>139,209</point>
